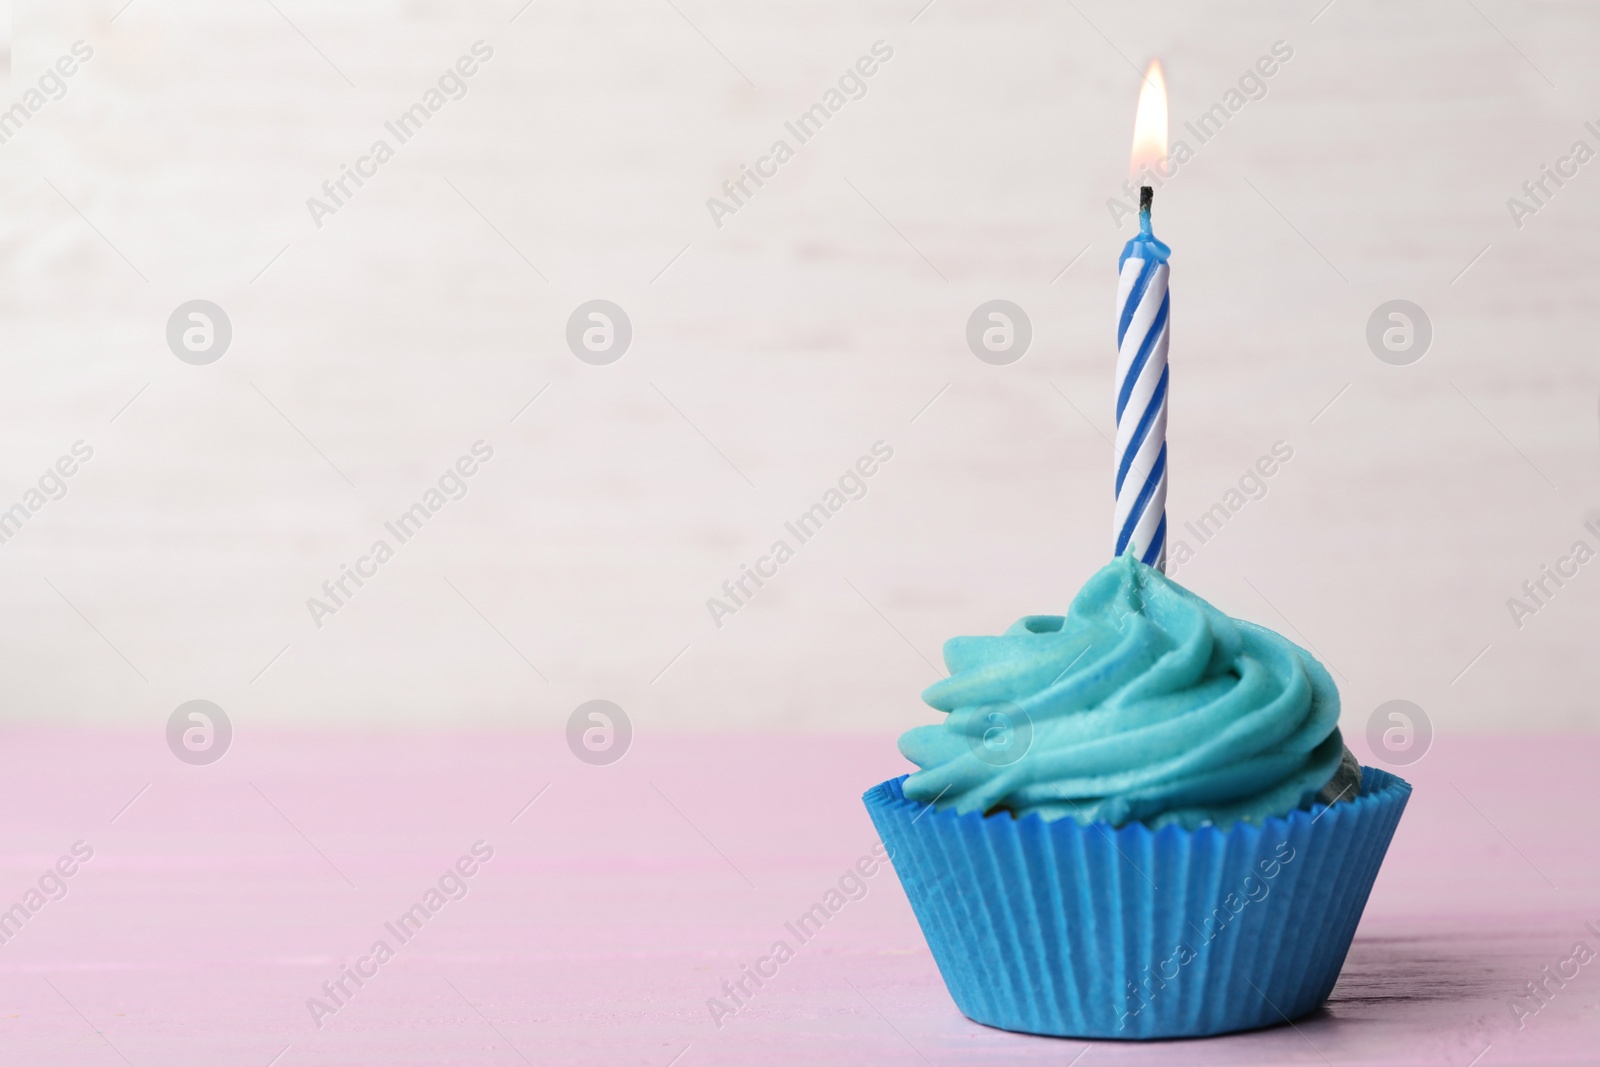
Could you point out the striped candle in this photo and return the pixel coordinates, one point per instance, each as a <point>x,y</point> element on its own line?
<point>1141,453</point>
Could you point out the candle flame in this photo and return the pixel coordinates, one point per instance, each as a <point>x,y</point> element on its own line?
<point>1150,122</point>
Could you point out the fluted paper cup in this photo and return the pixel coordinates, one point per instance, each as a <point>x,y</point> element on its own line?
<point>1089,931</point>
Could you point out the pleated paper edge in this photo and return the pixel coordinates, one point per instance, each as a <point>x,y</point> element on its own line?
<point>1001,976</point>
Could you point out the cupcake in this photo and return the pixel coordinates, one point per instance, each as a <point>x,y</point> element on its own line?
<point>1137,820</point>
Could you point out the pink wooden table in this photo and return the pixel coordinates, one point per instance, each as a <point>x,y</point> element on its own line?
<point>219,899</point>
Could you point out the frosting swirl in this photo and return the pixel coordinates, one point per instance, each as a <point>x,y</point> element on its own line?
<point>1142,703</point>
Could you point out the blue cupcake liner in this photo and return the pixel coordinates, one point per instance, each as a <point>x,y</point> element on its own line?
<point>1089,931</point>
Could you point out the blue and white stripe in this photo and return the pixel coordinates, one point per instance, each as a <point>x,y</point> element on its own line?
<point>1141,451</point>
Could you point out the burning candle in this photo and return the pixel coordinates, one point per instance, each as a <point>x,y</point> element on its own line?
<point>1142,305</point>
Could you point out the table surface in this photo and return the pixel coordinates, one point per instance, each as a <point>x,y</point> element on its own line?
<point>617,900</point>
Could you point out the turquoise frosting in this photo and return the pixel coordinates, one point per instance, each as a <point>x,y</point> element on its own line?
<point>1143,703</point>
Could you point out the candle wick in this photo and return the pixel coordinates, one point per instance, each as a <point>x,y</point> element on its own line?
<point>1147,196</point>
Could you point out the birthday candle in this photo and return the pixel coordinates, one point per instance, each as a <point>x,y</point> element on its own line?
<point>1142,329</point>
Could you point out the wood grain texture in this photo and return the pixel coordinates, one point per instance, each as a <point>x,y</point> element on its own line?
<point>219,902</point>
<point>770,353</point>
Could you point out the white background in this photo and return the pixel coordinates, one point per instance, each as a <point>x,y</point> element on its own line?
<point>822,317</point>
